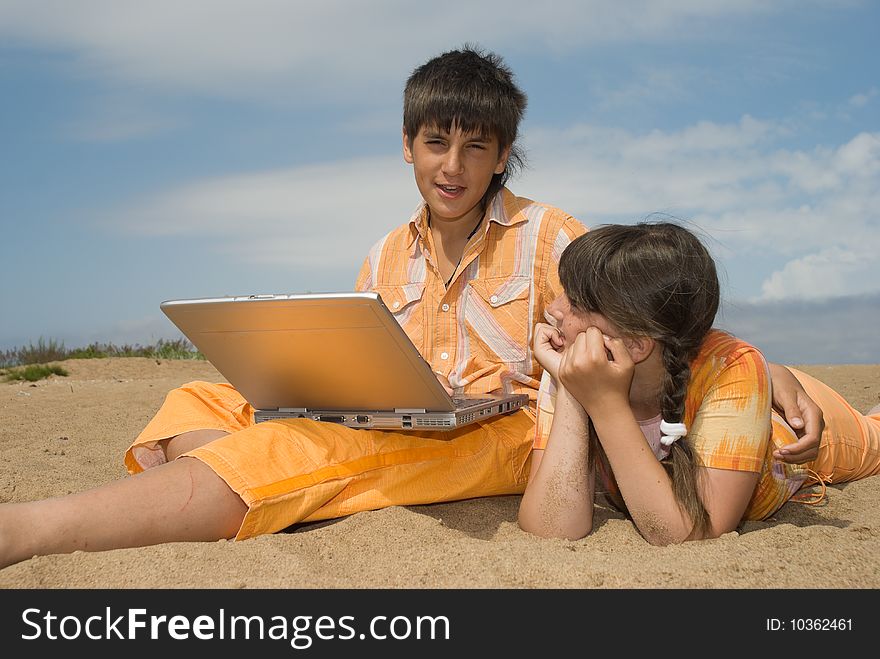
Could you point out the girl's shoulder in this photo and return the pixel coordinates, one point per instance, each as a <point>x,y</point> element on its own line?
<point>728,366</point>
<point>728,402</point>
<point>721,349</point>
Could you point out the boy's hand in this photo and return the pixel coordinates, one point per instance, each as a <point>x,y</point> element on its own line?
<point>444,381</point>
<point>547,347</point>
<point>597,370</point>
<point>801,413</point>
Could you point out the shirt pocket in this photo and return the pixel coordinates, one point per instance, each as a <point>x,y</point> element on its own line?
<point>403,300</point>
<point>498,318</point>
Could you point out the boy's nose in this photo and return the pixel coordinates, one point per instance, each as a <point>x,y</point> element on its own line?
<point>452,163</point>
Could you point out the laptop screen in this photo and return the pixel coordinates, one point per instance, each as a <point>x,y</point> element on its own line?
<point>316,350</point>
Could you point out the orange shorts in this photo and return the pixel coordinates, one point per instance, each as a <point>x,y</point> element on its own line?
<point>299,470</point>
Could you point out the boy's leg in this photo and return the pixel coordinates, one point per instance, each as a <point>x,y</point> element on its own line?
<point>191,416</point>
<point>850,444</point>
<point>178,501</point>
<point>187,441</point>
<point>299,470</point>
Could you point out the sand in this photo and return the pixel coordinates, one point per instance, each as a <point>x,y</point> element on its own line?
<point>69,433</point>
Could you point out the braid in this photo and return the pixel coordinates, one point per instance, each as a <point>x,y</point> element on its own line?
<point>684,460</point>
<point>675,382</point>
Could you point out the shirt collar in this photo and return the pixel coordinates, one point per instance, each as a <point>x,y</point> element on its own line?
<point>504,209</point>
<point>418,224</point>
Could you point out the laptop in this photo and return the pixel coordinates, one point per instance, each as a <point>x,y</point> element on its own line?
<point>334,357</point>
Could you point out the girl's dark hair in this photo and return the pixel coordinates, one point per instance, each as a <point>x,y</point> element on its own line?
<point>653,279</point>
<point>473,91</point>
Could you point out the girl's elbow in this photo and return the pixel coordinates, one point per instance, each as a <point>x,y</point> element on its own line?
<point>580,532</point>
<point>662,541</point>
<point>528,523</point>
<point>566,530</point>
<point>665,539</point>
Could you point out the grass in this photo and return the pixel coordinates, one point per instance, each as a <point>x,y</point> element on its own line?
<point>34,372</point>
<point>51,351</point>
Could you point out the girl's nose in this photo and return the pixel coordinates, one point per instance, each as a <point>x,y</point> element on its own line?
<point>557,307</point>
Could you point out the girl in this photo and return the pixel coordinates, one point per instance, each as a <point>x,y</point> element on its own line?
<point>673,418</point>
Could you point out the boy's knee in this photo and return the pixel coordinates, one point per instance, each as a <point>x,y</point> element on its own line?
<point>188,441</point>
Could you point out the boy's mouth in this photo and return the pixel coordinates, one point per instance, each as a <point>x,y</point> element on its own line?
<point>450,190</point>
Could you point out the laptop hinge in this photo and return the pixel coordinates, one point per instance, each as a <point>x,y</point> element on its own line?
<point>409,410</point>
<point>297,410</point>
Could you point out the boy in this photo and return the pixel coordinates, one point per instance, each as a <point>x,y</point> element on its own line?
<point>468,277</point>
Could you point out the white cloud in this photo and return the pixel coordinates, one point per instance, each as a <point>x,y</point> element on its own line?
<point>275,48</point>
<point>114,118</point>
<point>862,99</point>
<point>298,217</point>
<point>824,274</point>
<point>615,173</point>
<point>811,218</point>
<point>813,240</point>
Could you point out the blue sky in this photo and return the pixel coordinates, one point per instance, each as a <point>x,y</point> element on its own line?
<point>188,148</point>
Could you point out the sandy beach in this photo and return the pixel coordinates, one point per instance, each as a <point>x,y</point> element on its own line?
<point>68,433</point>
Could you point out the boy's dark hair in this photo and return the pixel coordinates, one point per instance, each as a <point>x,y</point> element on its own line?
<point>473,91</point>
<point>653,279</point>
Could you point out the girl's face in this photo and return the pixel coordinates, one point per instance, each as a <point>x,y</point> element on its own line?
<point>571,322</point>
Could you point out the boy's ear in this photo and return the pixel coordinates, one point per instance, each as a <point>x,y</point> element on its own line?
<point>407,148</point>
<point>639,347</point>
<point>502,160</point>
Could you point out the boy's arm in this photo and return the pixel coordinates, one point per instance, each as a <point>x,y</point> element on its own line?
<point>801,413</point>
<point>364,281</point>
<point>569,229</point>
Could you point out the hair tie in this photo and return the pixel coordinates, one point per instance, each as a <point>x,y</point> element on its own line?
<point>671,432</point>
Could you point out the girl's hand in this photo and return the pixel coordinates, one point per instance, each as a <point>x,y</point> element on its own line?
<point>597,370</point>
<point>547,347</point>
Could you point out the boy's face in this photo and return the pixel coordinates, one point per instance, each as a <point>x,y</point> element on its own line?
<point>453,170</point>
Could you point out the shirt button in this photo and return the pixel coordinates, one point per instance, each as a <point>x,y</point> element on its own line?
<point>445,307</point>
<point>396,304</point>
<point>444,355</point>
<point>493,299</point>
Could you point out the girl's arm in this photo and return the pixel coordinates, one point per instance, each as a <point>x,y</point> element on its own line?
<point>725,494</point>
<point>647,489</point>
<point>601,385</point>
<point>558,500</point>
<point>643,482</point>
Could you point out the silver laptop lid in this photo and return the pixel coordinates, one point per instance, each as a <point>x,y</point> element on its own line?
<point>314,351</point>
